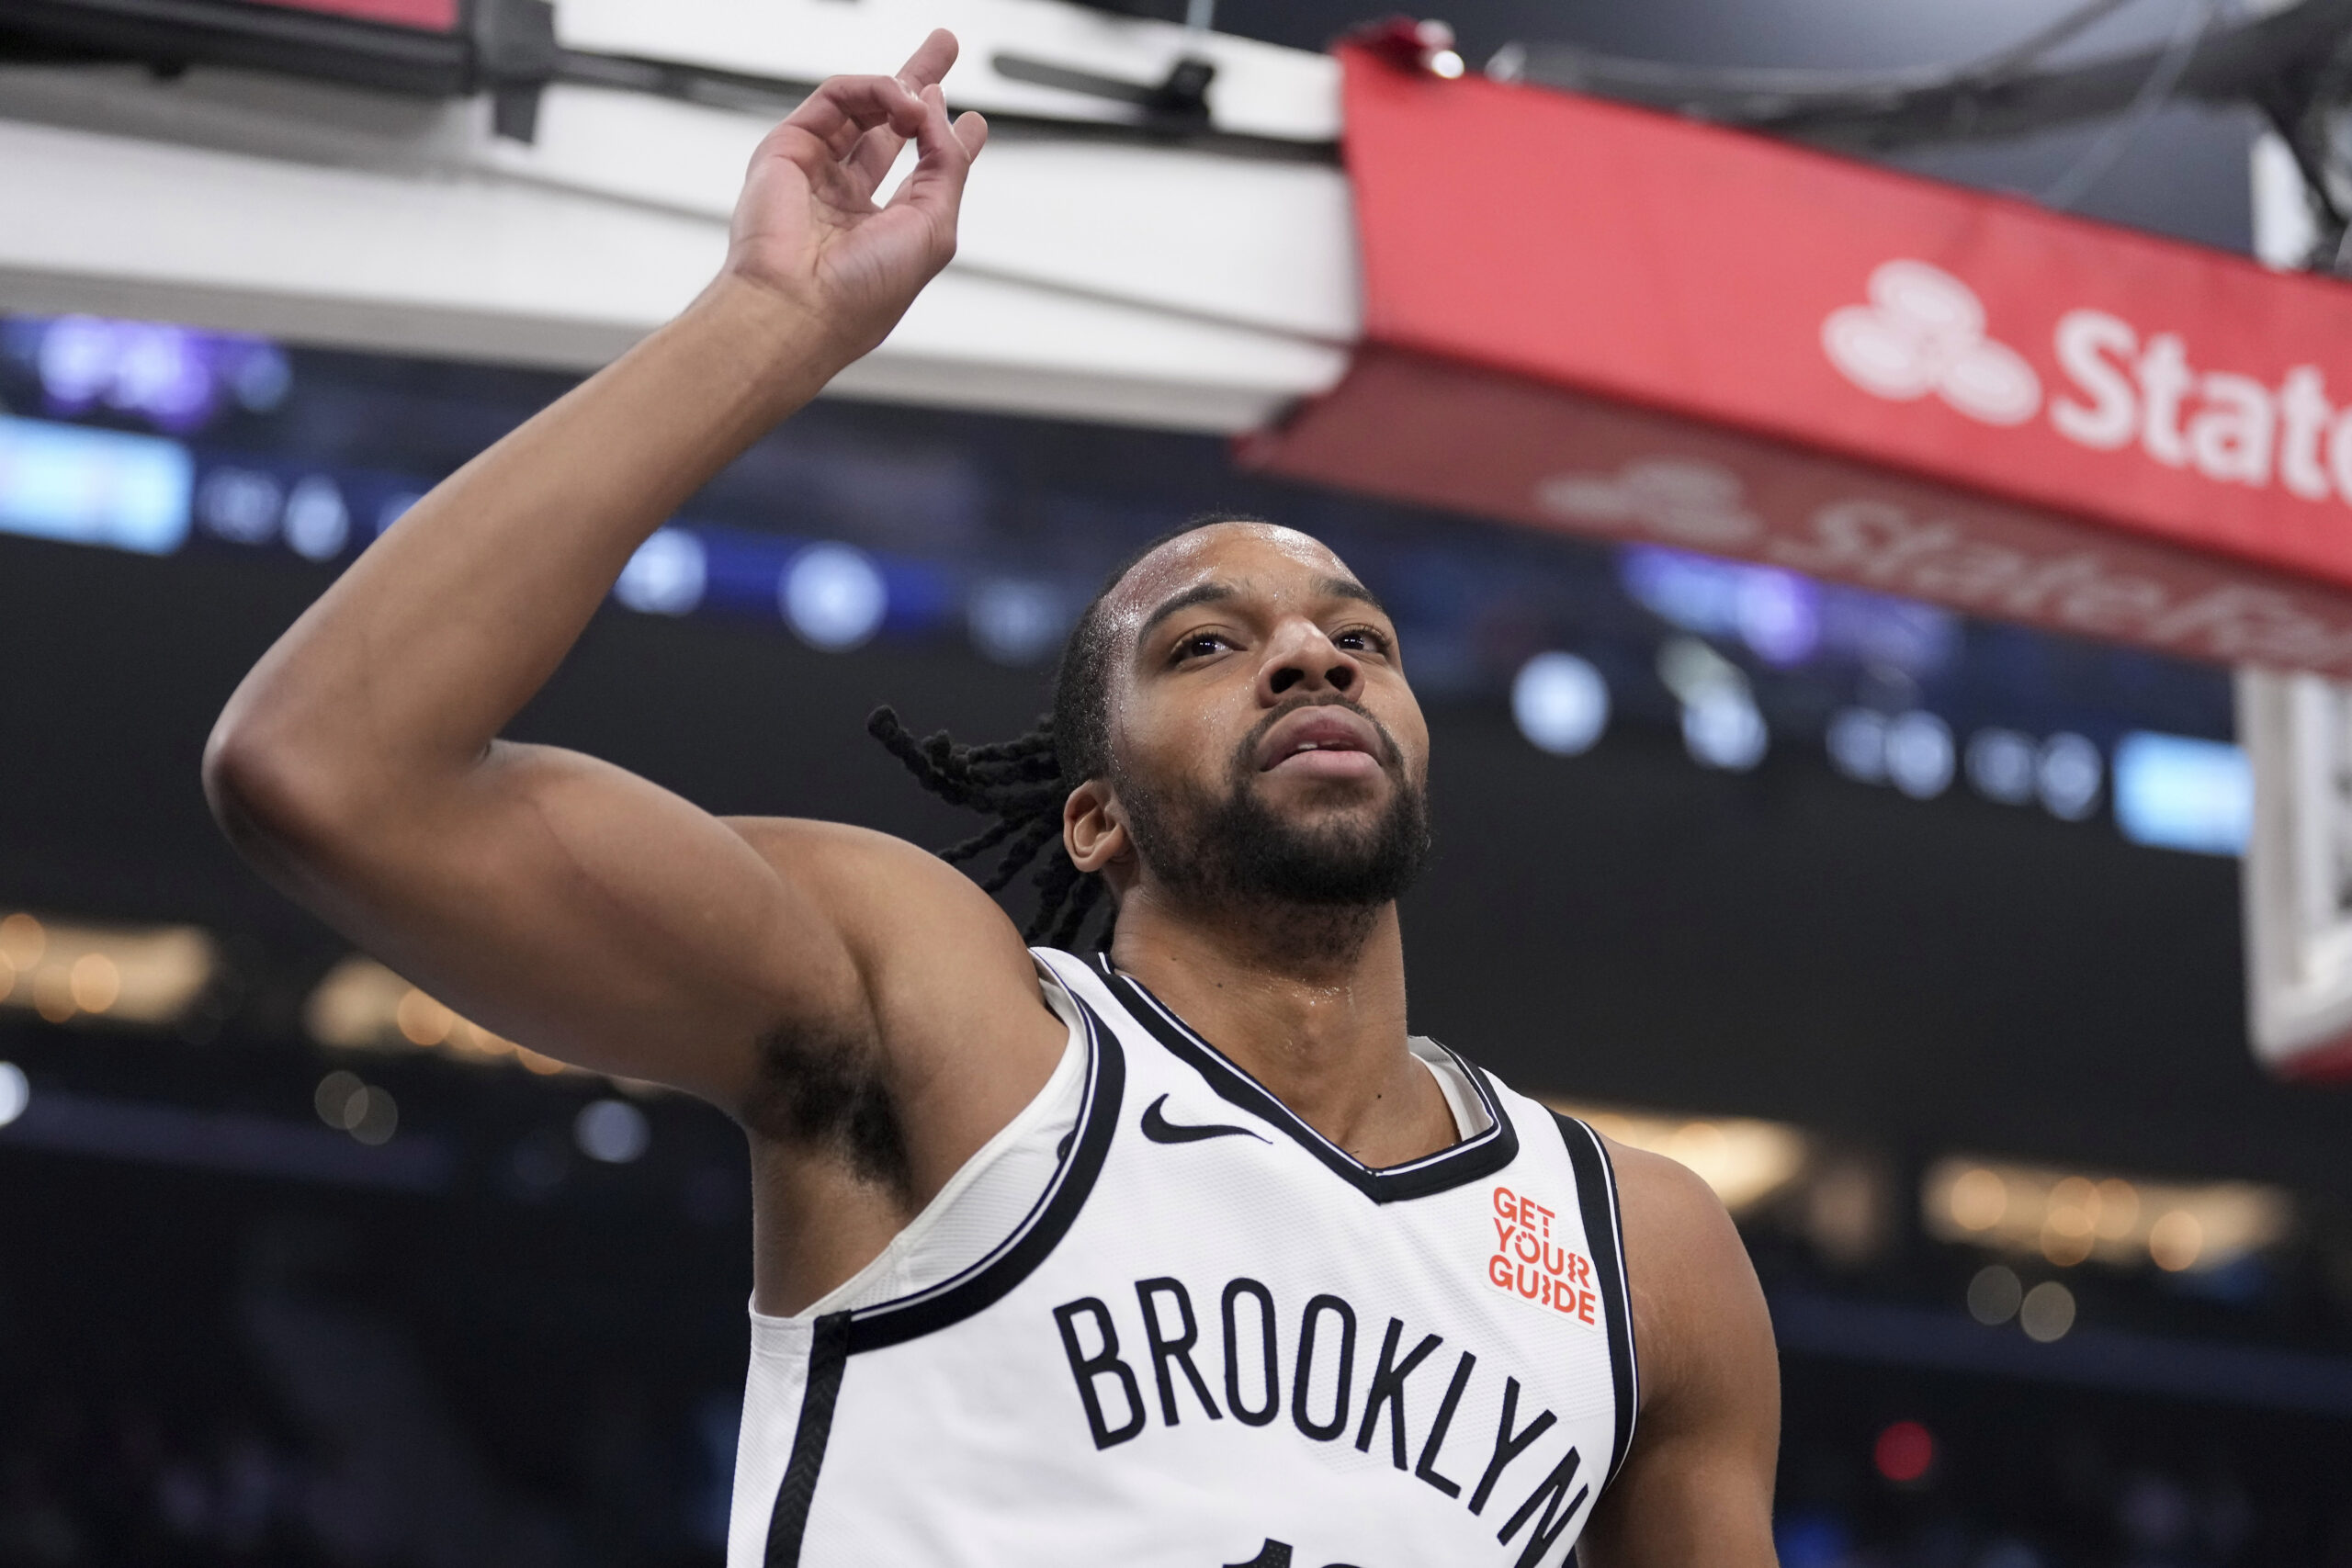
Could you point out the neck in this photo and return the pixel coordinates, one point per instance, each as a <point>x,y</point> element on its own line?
<point>1309,1001</point>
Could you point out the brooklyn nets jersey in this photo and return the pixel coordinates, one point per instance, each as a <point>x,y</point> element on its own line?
<point>1211,1337</point>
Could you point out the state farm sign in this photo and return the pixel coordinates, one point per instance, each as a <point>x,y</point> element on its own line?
<point>1622,323</point>
<point>1924,331</point>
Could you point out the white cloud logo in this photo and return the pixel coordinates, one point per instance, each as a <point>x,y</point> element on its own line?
<point>1924,332</point>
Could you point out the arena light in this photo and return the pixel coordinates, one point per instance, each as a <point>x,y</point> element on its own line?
<point>1919,754</point>
<point>1426,45</point>
<point>1721,727</point>
<point>65,971</point>
<point>1914,751</point>
<point>1015,621</point>
<point>1995,1295</point>
<point>317,523</point>
<point>241,505</point>
<point>362,1006</point>
<point>345,1103</point>
<point>1560,702</point>
<point>2001,765</point>
<point>2067,1217</point>
<point>2172,793</point>
<point>2047,1312</point>
<point>666,576</point>
<point>1743,1160</point>
<point>1775,614</point>
<point>85,485</point>
<point>1904,1452</point>
<point>175,378</point>
<point>1857,742</point>
<point>16,1092</point>
<point>833,595</point>
<point>2067,776</point>
<point>611,1132</point>
<point>1779,616</point>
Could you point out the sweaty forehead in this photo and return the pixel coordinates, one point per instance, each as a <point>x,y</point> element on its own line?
<point>1255,557</point>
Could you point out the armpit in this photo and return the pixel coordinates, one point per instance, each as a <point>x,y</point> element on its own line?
<point>823,1093</point>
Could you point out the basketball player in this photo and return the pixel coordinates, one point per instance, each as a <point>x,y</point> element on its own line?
<point>1179,1253</point>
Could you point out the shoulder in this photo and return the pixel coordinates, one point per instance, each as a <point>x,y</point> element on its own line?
<point>1697,1484</point>
<point>859,870</point>
<point>927,942</point>
<point>803,839</point>
<point>1698,1313</point>
<point>1673,1217</point>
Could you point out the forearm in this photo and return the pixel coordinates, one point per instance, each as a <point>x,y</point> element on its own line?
<point>412,663</point>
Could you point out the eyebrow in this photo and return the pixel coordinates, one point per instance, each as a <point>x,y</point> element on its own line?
<point>1218,593</point>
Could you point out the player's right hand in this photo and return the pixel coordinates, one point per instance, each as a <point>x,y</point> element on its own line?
<point>807,227</point>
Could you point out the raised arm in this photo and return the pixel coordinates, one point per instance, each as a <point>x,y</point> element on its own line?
<point>557,898</point>
<point>1697,1488</point>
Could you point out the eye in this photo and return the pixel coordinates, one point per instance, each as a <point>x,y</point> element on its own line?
<point>1361,639</point>
<point>1199,645</point>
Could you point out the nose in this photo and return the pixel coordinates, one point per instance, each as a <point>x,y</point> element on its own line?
<point>1301,658</point>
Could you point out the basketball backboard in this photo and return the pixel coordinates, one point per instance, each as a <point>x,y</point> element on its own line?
<point>2296,731</point>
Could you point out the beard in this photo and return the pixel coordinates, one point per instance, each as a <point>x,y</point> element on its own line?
<point>1210,848</point>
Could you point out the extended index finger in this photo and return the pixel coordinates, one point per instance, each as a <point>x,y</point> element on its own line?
<point>928,64</point>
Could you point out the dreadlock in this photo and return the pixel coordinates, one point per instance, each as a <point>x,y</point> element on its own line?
<point>1020,782</point>
<point>1024,782</point>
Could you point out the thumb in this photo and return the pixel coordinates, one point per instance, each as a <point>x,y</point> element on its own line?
<point>972,131</point>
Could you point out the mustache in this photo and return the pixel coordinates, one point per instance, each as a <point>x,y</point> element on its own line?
<point>1391,759</point>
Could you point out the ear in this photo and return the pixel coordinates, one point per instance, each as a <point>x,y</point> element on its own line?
<point>1093,831</point>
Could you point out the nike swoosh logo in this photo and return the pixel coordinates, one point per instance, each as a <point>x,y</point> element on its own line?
<point>1160,1130</point>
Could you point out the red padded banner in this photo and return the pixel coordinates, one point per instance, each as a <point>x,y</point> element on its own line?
<point>1598,317</point>
<point>432,16</point>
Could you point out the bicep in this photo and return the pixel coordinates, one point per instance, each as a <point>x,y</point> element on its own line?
<point>1697,1486</point>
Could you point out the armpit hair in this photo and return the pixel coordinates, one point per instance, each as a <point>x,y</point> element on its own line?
<point>823,1091</point>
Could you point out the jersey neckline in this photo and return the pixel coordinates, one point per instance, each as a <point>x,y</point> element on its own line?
<point>1470,1159</point>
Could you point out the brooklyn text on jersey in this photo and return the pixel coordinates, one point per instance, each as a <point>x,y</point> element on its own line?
<point>1203,1348</point>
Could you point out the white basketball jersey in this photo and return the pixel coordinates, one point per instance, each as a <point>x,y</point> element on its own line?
<point>1215,1339</point>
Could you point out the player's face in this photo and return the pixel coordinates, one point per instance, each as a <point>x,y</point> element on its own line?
<point>1264,739</point>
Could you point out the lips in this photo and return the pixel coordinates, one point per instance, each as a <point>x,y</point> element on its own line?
<point>1329,740</point>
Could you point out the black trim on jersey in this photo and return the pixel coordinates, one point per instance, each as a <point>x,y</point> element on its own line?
<point>1604,1230</point>
<point>985,1282</point>
<point>840,1335</point>
<point>1469,1160</point>
<point>788,1523</point>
